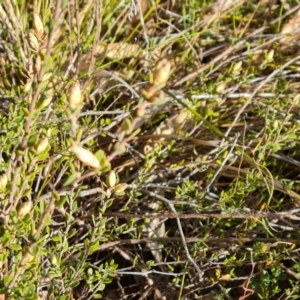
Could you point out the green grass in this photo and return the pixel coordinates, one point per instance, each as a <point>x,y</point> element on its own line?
<point>122,179</point>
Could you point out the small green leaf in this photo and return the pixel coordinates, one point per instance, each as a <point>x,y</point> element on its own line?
<point>48,63</point>
<point>20,152</point>
<point>43,85</point>
<point>55,195</point>
<point>60,202</point>
<point>127,126</point>
<point>102,223</point>
<point>65,245</point>
<point>72,232</point>
<point>25,111</point>
<point>100,154</point>
<point>56,238</point>
<point>94,247</point>
<point>74,206</point>
<point>32,140</point>
<point>74,284</point>
<point>121,136</point>
<point>105,165</point>
<point>72,167</point>
<point>150,263</point>
<point>109,203</point>
<point>119,149</point>
<point>170,268</point>
<point>34,249</point>
<point>6,239</point>
<point>15,247</point>
<point>43,155</point>
<point>9,278</point>
<point>136,132</point>
<point>69,180</point>
<point>47,220</point>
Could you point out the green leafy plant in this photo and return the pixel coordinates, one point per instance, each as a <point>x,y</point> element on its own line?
<point>149,149</point>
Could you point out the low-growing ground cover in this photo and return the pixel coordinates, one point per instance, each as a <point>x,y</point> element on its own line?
<point>149,149</point>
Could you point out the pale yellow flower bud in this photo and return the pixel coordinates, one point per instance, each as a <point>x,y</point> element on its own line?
<point>37,64</point>
<point>140,111</point>
<point>150,91</point>
<point>24,208</point>
<point>42,145</point>
<point>27,86</point>
<point>33,41</point>
<point>75,100</point>
<point>38,25</point>
<point>162,73</point>
<point>221,87</point>
<point>28,258</point>
<point>85,156</point>
<point>111,178</point>
<point>3,181</point>
<point>119,188</point>
<point>157,98</point>
<point>237,68</point>
<point>270,56</point>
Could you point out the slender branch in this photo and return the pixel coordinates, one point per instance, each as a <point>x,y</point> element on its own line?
<point>205,216</point>
<point>217,240</point>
